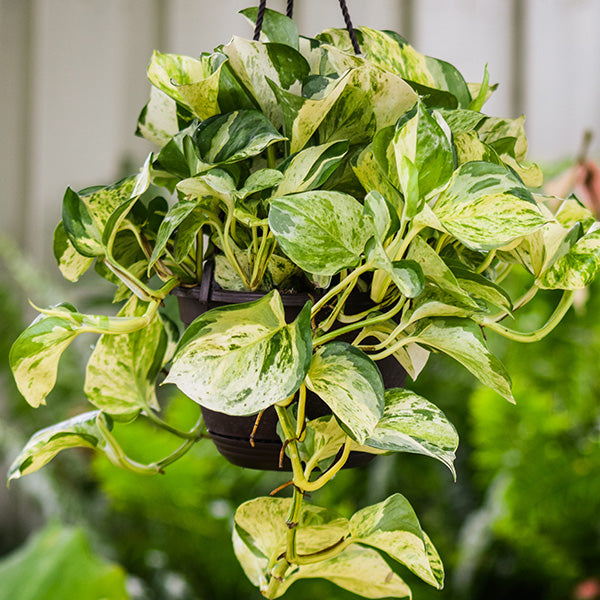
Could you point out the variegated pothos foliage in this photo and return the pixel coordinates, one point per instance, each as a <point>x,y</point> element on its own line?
<point>372,182</point>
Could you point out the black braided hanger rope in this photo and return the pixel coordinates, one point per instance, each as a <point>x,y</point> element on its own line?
<point>260,16</point>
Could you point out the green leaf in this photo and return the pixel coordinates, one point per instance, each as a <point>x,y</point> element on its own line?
<point>407,275</point>
<point>434,302</point>
<point>482,288</point>
<point>330,221</point>
<point>172,220</point>
<point>44,445</point>
<point>462,121</point>
<point>412,424</point>
<point>462,340</point>
<point>260,180</point>
<point>80,226</point>
<point>311,167</point>
<point>371,100</point>
<point>276,27</point>
<point>187,234</point>
<point>359,570</point>
<point>486,207</point>
<point>392,527</point>
<point>59,563</point>
<point>448,78</point>
<point>256,63</point>
<point>122,370</point>
<point>35,354</point>
<point>578,267</point>
<point>72,265</point>
<point>240,359</point>
<point>437,271</point>
<point>421,139</point>
<point>235,136</point>
<point>158,121</point>
<point>373,178</point>
<point>470,148</point>
<point>350,383</point>
<point>187,80</point>
<point>383,215</point>
<point>494,130</point>
<point>483,92</point>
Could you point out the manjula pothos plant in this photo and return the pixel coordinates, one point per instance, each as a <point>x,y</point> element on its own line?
<point>295,164</point>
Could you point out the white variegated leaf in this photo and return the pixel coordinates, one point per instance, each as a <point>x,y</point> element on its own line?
<point>72,265</point>
<point>462,340</point>
<point>350,383</point>
<point>392,526</point>
<point>158,121</point>
<point>330,221</point>
<point>486,207</point>
<point>240,359</point>
<point>412,424</point>
<point>122,370</point>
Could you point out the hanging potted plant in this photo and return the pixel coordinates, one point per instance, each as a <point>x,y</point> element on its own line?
<point>318,206</point>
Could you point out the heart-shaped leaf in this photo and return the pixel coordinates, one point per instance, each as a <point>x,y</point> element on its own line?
<point>330,221</point>
<point>240,359</point>
<point>412,424</point>
<point>350,383</point>
<point>393,528</point>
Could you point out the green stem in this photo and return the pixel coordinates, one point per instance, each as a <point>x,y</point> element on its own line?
<point>300,425</point>
<point>359,325</point>
<point>522,301</point>
<point>331,319</point>
<point>389,351</point>
<point>271,162</point>
<point>487,262</point>
<point>258,259</point>
<point>277,576</point>
<point>156,420</point>
<point>229,252</point>
<point>334,291</point>
<point>292,522</point>
<point>561,309</point>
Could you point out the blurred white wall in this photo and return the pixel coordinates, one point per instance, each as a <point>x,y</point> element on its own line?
<point>72,76</point>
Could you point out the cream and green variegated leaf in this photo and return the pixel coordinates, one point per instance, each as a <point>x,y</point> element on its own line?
<point>392,527</point>
<point>119,214</point>
<point>412,424</point>
<point>187,80</point>
<point>260,533</point>
<point>578,267</point>
<point>330,221</point>
<point>122,370</point>
<point>311,167</point>
<point>406,275</point>
<point>350,383</point>
<point>358,569</point>
<point>572,211</point>
<point>235,136</point>
<point>485,207</point>
<point>158,122</point>
<point>389,53</point>
<point>437,271</point>
<point>83,231</point>
<point>373,178</point>
<point>480,92</point>
<point>462,121</point>
<point>209,188</point>
<point>275,26</point>
<point>371,100</point>
<point>227,276</point>
<point>470,148</point>
<point>420,138</point>
<point>176,215</point>
<point>240,359</point>
<point>434,302</point>
<point>463,340</point>
<point>78,432</point>
<point>494,130</point>
<point>382,214</point>
<point>263,179</point>
<point>482,288</point>
<point>71,263</point>
<point>35,355</point>
<point>255,63</point>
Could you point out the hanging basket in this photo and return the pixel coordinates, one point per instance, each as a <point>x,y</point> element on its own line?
<point>233,435</point>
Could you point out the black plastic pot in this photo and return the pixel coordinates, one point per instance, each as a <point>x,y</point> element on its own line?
<point>231,434</point>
